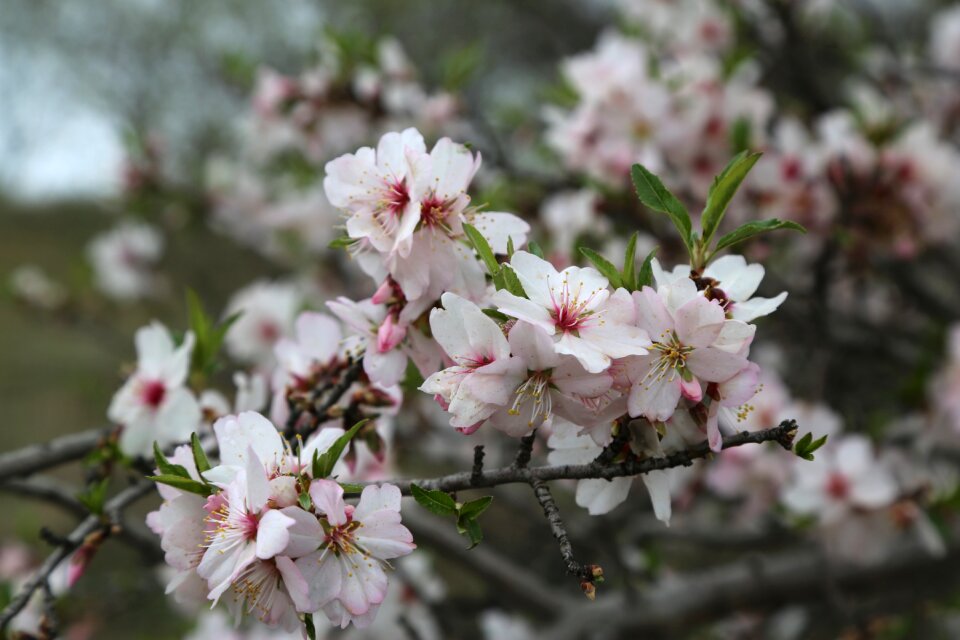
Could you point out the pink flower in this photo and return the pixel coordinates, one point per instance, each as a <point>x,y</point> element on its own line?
<point>693,342</point>
<point>575,307</point>
<point>154,405</point>
<point>844,476</point>
<point>348,567</point>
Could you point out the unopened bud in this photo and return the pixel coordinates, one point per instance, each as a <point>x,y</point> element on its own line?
<point>597,572</point>
<point>588,589</point>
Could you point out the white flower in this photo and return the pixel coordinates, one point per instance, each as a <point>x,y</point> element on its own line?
<point>732,281</point>
<point>267,311</point>
<point>123,260</point>
<point>575,307</point>
<point>154,405</point>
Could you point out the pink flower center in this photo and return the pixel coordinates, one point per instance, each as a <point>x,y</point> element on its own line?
<point>569,311</point>
<point>269,332</point>
<point>153,393</point>
<point>433,211</point>
<point>838,487</point>
<point>791,169</point>
<point>397,197</point>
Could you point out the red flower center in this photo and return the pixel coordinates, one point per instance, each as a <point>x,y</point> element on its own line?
<point>838,487</point>
<point>154,392</point>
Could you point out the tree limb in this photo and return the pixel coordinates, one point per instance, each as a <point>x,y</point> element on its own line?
<point>37,457</point>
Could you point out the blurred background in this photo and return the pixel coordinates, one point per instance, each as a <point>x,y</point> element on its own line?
<point>149,146</point>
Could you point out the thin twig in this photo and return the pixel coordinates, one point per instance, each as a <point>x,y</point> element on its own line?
<point>782,434</point>
<point>111,516</point>
<point>37,457</point>
<point>525,451</point>
<point>585,573</point>
<point>477,472</point>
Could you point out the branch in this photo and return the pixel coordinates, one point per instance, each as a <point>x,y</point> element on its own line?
<point>320,408</point>
<point>46,489</point>
<point>93,523</point>
<point>587,574</point>
<point>782,434</point>
<point>38,457</point>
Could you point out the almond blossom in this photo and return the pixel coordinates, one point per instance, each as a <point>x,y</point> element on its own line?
<point>267,310</point>
<point>124,258</point>
<point>154,405</point>
<point>731,281</point>
<point>346,574</point>
<point>576,308</point>
<point>693,343</point>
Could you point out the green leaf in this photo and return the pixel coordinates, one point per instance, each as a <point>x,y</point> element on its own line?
<point>472,529</point>
<point>482,248</point>
<point>351,487</point>
<point>496,315</point>
<point>474,508</point>
<point>653,194</point>
<point>94,496</point>
<point>436,502</point>
<point>806,445</point>
<point>509,247</point>
<point>535,249</point>
<point>511,282</point>
<point>165,466</point>
<point>723,189</point>
<point>740,134</point>
<point>199,455</point>
<point>755,228</point>
<point>604,266</point>
<point>323,464</point>
<point>630,263</point>
<point>645,277</point>
<point>309,626</point>
<point>304,500</point>
<point>341,242</point>
<point>184,484</point>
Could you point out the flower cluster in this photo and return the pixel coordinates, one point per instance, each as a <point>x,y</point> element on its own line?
<point>264,533</point>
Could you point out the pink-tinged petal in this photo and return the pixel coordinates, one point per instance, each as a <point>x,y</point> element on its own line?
<point>498,228</point>
<point>652,315</point>
<point>735,337</point>
<point>235,434</point>
<point>390,334</point>
<point>178,417</point>
<point>525,310</point>
<point>374,498</point>
<point>220,569</point>
<point>306,534</point>
<point>408,222</point>
<point>447,328</point>
<point>699,322</point>
<point>466,410</point>
<point>714,438</point>
<point>453,167</point>
<point>741,387</point>
<point>323,575</point>
<point>350,178</point>
<point>533,347</point>
<point>874,489</point>
<point>154,347</point>
<point>602,496</point>
<point>617,340</point>
<point>620,308</point>
<point>384,536</point>
<point>537,277</point>
<point>258,487</point>
<point>272,534</point>
<point>283,492</point>
<point>319,335</point>
<point>319,443</point>
<point>679,293</point>
<point>757,307</point>
<point>296,584</point>
<point>363,584</point>
<point>137,438</point>
<point>175,369</point>
<point>573,380</point>
<point>327,498</point>
<point>691,390</point>
<point>658,486</point>
<point>737,279</point>
<point>714,365</point>
<point>655,398</point>
<point>387,368</point>
<point>592,360</point>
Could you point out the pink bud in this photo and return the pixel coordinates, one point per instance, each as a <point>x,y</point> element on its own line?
<point>383,293</point>
<point>390,334</point>
<point>691,390</point>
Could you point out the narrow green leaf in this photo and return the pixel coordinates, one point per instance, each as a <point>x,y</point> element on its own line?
<point>341,242</point>
<point>509,247</point>
<point>483,249</point>
<point>723,189</point>
<point>755,228</point>
<point>653,194</point>
<point>816,444</point>
<point>183,484</point>
<point>315,467</point>
<point>436,502</point>
<point>351,487</point>
<point>535,249</point>
<point>496,315</point>
<point>629,277</point>
<point>604,266</point>
<point>94,496</point>
<point>165,466</point>
<point>511,282</point>
<point>199,455</point>
<point>473,531</point>
<point>645,277</point>
<point>329,459</point>
<point>304,500</point>
<point>474,508</point>
<point>309,627</point>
